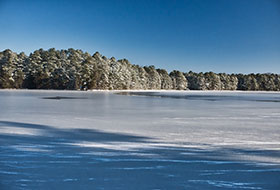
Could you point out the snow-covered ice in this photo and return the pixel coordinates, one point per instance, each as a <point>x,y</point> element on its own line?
<point>139,140</point>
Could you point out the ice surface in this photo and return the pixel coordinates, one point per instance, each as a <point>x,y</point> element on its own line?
<point>139,140</point>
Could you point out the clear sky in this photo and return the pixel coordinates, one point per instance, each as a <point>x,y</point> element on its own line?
<point>232,36</point>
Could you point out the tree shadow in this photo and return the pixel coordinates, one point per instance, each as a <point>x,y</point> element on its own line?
<point>44,157</point>
<point>48,132</point>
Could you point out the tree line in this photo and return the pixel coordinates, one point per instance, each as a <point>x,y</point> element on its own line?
<point>77,70</point>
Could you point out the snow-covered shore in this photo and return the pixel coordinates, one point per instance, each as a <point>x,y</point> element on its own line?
<point>114,91</point>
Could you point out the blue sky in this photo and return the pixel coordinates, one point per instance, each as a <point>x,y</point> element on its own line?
<point>232,36</point>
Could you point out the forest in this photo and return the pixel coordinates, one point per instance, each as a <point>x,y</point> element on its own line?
<point>77,70</point>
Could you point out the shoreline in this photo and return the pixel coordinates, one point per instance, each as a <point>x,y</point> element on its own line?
<point>116,91</point>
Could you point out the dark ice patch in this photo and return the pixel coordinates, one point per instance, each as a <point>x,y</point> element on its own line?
<point>202,97</point>
<point>62,97</point>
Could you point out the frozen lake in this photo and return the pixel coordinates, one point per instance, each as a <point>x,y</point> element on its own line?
<point>139,140</point>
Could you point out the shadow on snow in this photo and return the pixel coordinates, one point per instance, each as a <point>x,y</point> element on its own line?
<point>43,157</point>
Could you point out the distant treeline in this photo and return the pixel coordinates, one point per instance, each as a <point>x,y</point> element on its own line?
<point>75,70</point>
